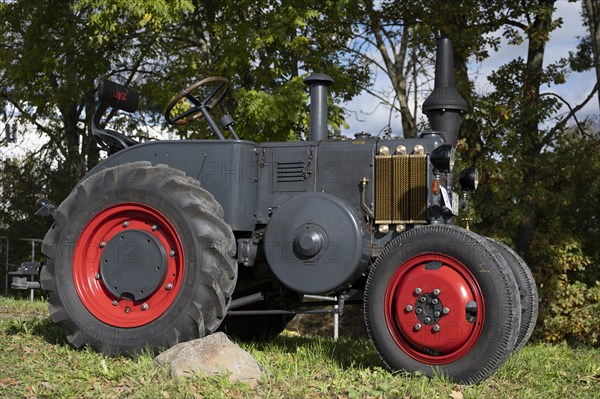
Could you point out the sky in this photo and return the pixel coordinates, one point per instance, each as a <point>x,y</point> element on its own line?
<point>562,40</point>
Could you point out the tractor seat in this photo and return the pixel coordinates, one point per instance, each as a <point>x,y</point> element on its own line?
<point>116,96</point>
<point>112,141</point>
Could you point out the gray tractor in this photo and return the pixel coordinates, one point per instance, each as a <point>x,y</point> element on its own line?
<point>167,241</point>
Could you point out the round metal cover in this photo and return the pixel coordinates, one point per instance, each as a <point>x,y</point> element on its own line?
<point>314,243</point>
<point>133,264</point>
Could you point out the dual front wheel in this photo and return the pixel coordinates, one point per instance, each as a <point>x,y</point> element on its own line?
<point>443,300</point>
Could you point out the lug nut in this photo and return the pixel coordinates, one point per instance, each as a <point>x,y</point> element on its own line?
<point>435,301</point>
<point>446,310</point>
<point>145,306</point>
<point>423,299</point>
<point>408,308</point>
<point>127,309</point>
<point>172,253</point>
<point>154,227</point>
<point>115,302</point>
<point>419,311</point>
<point>102,244</point>
<point>417,326</point>
<point>427,319</point>
<point>125,223</point>
<point>98,276</point>
<point>168,286</point>
<point>436,328</point>
<point>436,292</point>
<point>437,313</point>
<point>418,291</point>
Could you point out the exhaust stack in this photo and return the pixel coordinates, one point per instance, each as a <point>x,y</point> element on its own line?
<point>318,83</point>
<point>444,106</point>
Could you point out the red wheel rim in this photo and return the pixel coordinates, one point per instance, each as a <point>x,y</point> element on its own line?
<point>418,278</point>
<point>100,301</point>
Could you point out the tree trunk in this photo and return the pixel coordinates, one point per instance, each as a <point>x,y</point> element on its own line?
<point>394,59</point>
<point>538,34</point>
<point>89,143</point>
<point>592,9</point>
<point>409,124</point>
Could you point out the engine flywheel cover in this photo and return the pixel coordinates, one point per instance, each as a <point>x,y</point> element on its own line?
<point>316,243</point>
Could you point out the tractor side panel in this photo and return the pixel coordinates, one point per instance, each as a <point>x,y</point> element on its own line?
<point>285,170</point>
<point>227,169</point>
<point>341,167</point>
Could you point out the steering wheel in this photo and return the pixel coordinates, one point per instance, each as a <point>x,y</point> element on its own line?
<point>199,107</point>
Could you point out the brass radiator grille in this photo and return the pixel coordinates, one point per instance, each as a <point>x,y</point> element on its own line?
<point>383,192</point>
<point>401,189</point>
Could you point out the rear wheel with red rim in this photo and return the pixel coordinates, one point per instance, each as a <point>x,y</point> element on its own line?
<point>139,256</point>
<point>438,300</point>
<point>128,265</point>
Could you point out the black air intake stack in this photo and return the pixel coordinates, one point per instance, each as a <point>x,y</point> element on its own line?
<point>444,106</point>
<point>318,83</point>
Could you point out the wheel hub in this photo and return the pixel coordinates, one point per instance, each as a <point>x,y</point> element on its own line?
<point>309,240</point>
<point>133,265</point>
<point>428,309</point>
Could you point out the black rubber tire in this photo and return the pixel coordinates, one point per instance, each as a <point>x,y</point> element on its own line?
<point>527,292</point>
<point>498,289</point>
<point>209,274</point>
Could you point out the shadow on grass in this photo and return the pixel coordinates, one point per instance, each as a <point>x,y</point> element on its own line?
<point>347,352</point>
<point>53,333</point>
<point>44,328</point>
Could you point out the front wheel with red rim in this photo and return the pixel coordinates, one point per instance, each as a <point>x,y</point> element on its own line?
<point>438,300</point>
<point>138,257</point>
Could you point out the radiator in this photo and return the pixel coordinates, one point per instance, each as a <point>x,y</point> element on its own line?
<point>400,189</point>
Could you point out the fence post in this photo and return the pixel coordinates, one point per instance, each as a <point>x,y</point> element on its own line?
<point>6,269</point>
<point>336,320</point>
<point>33,260</point>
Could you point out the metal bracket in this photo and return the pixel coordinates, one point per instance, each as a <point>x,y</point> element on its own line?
<point>45,207</point>
<point>247,251</point>
<point>22,278</point>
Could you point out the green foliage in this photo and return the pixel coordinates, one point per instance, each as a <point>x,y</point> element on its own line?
<point>573,309</point>
<point>539,187</point>
<point>264,48</point>
<point>21,184</point>
<point>284,118</point>
<point>108,17</point>
<point>52,53</point>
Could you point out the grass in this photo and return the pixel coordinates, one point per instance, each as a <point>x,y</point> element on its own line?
<point>36,362</point>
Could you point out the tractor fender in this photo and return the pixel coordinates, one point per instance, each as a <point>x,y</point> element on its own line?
<point>227,169</point>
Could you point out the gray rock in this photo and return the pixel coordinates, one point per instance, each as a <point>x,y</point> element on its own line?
<point>211,355</point>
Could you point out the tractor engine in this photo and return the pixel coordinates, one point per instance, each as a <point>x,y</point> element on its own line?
<point>362,193</point>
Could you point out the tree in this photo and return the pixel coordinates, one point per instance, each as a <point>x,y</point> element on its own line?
<point>50,57</point>
<point>517,137</point>
<point>265,48</point>
<point>529,157</point>
<point>52,53</point>
<point>402,34</point>
<point>383,29</point>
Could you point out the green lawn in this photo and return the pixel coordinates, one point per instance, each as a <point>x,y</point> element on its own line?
<point>36,362</point>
